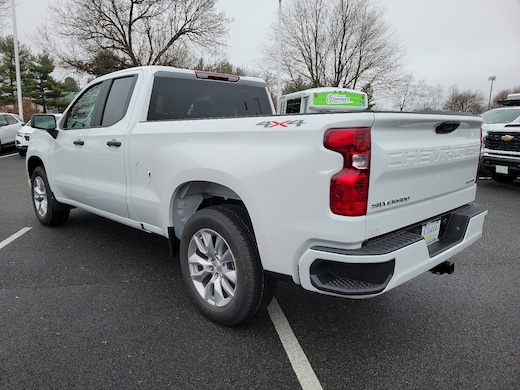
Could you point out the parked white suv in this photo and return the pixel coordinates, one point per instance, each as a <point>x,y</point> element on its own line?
<point>9,125</point>
<point>23,136</point>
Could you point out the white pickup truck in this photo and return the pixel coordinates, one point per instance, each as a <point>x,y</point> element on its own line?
<point>501,141</point>
<point>346,204</point>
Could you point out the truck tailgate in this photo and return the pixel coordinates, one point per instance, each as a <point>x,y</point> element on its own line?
<point>422,165</point>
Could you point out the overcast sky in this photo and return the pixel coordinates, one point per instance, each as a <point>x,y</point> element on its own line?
<point>447,42</point>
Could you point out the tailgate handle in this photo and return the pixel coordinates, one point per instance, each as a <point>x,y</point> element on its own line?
<point>447,127</point>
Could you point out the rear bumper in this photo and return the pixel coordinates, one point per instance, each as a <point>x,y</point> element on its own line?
<point>389,261</point>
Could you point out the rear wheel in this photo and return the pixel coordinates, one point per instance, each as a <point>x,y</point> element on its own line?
<point>48,210</point>
<point>221,265</point>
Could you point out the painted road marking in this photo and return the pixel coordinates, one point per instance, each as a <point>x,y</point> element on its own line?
<point>18,234</point>
<point>300,363</point>
<point>9,155</point>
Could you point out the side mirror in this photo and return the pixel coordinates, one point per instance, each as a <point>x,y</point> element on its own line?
<point>44,121</point>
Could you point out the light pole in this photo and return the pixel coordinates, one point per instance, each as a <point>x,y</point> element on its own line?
<point>17,62</point>
<point>279,67</point>
<point>491,78</point>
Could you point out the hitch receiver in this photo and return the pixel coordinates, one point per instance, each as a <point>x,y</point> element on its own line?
<point>443,268</point>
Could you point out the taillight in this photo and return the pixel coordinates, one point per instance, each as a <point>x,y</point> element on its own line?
<point>349,187</point>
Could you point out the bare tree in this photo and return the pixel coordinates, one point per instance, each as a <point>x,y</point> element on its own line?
<point>408,96</point>
<point>338,43</point>
<point>502,95</point>
<point>132,32</point>
<point>434,98</point>
<point>221,65</point>
<point>4,11</point>
<point>465,101</point>
<point>412,95</point>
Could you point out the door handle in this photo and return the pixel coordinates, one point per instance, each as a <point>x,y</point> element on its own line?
<point>114,142</point>
<point>447,127</point>
<point>79,142</point>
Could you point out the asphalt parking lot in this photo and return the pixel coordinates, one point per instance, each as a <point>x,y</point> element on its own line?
<point>97,305</point>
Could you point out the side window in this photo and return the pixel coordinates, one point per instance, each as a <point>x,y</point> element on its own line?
<point>80,114</point>
<point>118,100</point>
<point>3,120</point>
<point>293,106</point>
<point>11,120</point>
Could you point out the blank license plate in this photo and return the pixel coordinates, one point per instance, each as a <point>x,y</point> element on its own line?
<point>430,231</point>
<point>504,170</point>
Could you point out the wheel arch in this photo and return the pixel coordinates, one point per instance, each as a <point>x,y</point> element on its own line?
<point>196,195</point>
<point>32,164</point>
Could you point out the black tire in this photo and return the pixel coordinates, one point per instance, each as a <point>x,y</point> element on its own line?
<point>22,152</point>
<point>47,209</point>
<point>269,281</point>
<point>221,266</point>
<point>504,178</point>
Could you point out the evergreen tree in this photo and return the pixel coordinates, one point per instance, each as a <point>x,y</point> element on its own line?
<point>45,90</point>
<point>8,70</point>
<point>70,85</point>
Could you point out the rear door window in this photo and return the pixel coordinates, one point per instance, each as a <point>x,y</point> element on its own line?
<point>118,100</point>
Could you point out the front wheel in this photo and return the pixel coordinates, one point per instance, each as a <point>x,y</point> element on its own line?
<point>48,210</point>
<point>221,266</point>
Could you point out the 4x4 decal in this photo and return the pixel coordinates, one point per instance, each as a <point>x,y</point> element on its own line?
<point>287,123</point>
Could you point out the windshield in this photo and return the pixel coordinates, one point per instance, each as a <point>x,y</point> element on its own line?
<point>501,115</point>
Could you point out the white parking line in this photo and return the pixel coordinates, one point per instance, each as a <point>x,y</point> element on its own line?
<point>19,233</point>
<point>300,363</point>
<point>9,155</point>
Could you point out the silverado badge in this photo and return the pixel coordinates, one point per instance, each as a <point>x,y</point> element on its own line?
<point>507,137</point>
